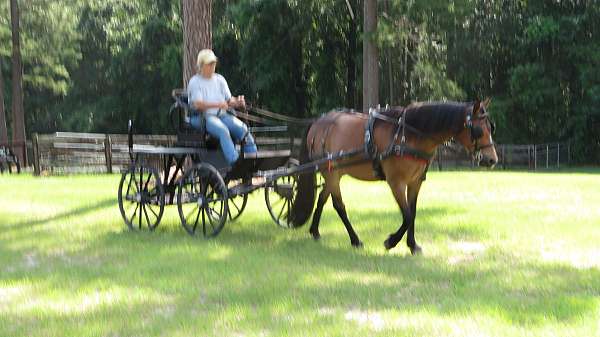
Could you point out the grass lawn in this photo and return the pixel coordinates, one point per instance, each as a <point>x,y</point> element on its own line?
<point>504,254</point>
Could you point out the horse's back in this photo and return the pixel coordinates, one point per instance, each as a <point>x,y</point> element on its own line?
<point>336,131</point>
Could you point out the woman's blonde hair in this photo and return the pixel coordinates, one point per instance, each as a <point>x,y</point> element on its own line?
<point>206,56</point>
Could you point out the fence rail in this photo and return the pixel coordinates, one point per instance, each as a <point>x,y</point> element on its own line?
<point>69,152</point>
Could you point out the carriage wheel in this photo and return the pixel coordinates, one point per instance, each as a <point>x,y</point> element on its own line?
<point>141,197</point>
<point>202,200</point>
<point>280,196</point>
<point>237,204</point>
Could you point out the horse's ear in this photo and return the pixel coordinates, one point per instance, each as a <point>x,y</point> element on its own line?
<point>487,102</point>
<point>476,107</point>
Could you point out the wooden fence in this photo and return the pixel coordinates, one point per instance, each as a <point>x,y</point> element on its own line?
<point>68,152</point>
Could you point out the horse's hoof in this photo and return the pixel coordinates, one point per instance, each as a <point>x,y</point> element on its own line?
<point>416,250</point>
<point>388,244</point>
<point>358,244</point>
<point>315,236</point>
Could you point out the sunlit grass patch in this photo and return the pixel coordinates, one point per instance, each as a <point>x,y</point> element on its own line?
<point>505,254</point>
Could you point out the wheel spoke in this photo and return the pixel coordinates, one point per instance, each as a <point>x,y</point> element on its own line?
<point>279,200</point>
<point>280,212</point>
<point>146,215</point>
<point>129,184</point>
<point>196,221</point>
<point>136,185</point>
<point>203,223</point>
<point>212,212</point>
<point>190,214</point>
<point>140,217</point>
<point>148,180</point>
<point>134,213</point>
<point>232,202</point>
<point>149,206</point>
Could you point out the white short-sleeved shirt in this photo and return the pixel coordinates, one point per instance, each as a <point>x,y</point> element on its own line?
<point>212,90</point>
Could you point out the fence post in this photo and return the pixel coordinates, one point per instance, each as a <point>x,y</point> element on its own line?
<point>534,157</point>
<point>547,154</point>
<point>569,153</point>
<point>36,155</point>
<point>558,156</point>
<point>504,157</point>
<point>108,154</point>
<point>529,165</point>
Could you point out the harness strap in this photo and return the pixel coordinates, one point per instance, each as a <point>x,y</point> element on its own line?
<point>393,149</point>
<point>370,147</point>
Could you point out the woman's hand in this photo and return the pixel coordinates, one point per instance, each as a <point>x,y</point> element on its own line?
<point>223,105</point>
<point>237,102</point>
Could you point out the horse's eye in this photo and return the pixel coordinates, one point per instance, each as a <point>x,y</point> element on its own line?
<point>492,127</point>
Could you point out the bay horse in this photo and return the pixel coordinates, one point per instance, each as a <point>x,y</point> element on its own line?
<point>403,141</point>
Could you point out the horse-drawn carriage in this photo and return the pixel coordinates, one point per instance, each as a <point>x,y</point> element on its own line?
<point>194,175</point>
<point>395,145</point>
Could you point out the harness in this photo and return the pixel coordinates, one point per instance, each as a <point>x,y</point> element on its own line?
<point>401,150</point>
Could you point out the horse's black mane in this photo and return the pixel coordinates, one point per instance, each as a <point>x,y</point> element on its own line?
<point>432,117</point>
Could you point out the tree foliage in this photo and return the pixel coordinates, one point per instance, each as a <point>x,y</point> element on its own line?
<point>91,65</point>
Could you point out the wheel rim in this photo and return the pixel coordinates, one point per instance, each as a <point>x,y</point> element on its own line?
<point>202,201</point>
<point>141,198</point>
<point>280,197</point>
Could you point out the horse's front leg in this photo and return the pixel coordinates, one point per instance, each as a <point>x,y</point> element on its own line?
<point>399,190</point>
<point>413,194</point>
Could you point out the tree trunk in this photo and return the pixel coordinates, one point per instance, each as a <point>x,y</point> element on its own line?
<point>370,57</point>
<point>197,33</point>
<point>350,61</point>
<point>3,131</point>
<point>18,122</point>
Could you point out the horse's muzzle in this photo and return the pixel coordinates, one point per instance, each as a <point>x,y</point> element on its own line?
<point>487,161</point>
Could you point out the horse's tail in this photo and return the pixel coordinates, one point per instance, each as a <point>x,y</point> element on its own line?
<point>305,199</point>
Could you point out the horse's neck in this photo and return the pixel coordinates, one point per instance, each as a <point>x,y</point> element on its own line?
<point>433,140</point>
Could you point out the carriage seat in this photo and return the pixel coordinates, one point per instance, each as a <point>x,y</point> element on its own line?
<point>187,135</point>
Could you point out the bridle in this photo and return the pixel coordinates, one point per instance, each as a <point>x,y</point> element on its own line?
<point>476,132</point>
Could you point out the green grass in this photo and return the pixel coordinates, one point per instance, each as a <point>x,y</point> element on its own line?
<point>505,254</point>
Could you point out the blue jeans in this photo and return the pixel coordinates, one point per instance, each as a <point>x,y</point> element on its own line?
<point>224,128</point>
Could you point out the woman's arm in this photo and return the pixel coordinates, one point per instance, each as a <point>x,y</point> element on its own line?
<point>203,106</point>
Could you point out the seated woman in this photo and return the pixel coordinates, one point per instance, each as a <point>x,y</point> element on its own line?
<point>209,93</point>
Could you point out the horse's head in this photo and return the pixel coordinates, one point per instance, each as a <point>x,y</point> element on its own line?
<point>476,136</point>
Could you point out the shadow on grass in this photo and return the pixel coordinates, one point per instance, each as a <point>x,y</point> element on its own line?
<point>257,265</point>
<point>252,269</point>
<point>108,202</point>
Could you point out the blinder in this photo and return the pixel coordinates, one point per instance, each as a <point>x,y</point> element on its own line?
<point>476,132</point>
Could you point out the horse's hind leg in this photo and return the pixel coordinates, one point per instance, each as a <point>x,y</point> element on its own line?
<point>413,194</point>
<point>399,191</point>
<point>314,228</point>
<point>340,208</point>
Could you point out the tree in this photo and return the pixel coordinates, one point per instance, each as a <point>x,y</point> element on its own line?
<point>197,33</point>
<point>18,121</point>
<point>370,57</point>
<point>3,131</point>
